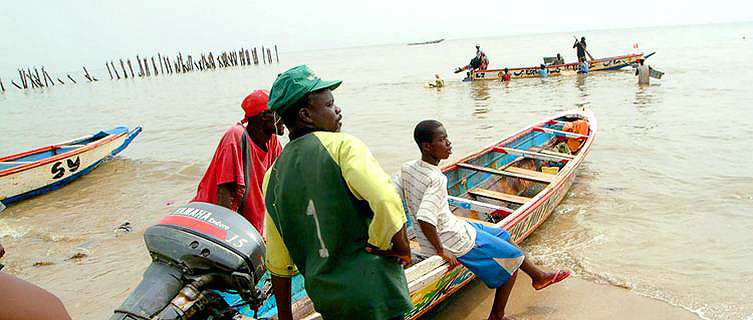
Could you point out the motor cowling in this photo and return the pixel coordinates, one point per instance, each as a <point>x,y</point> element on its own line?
<point>196,241</point>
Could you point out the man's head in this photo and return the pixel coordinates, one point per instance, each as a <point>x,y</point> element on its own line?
<point>478,47</point>
<point>257,113</point>
<point>542,66</point>
<point>431,138</point>
<point>507,70</point>
<point>305,102</point>
<point>582,39</point>
<point>640,61</point>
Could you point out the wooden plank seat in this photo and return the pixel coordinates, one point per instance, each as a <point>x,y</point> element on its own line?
<point>486,223</point>
<point>532,173</point>
<point>506,173</point>
<point>15,162</point>
<point>561,133</point>
<point>531,154</point>
<point>559,154</point>
<point>498,196</point>
<point>479,206</point>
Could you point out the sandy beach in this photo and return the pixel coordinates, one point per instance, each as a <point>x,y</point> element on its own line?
<point>572,299</point>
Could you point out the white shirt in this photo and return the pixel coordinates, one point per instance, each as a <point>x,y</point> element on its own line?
<point>423,187</point>
<point>643,74</point>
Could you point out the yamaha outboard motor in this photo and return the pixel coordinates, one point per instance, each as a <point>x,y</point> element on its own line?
<point>197,248</point>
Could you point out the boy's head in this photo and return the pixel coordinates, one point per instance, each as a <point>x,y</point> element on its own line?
<point>431,138</point>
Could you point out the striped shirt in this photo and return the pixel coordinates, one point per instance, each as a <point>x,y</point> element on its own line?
<point>423,187</point>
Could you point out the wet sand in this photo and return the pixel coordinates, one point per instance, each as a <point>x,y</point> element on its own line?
<point>571,299</point>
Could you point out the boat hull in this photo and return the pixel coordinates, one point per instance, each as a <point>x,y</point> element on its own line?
<point>611,63</point>
<point>47,174</point>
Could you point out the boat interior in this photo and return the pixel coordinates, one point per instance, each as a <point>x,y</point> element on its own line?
<point>51,151</point>
<point>490,185</point>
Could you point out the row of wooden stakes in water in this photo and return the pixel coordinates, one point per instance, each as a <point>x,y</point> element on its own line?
<point>210,61</point>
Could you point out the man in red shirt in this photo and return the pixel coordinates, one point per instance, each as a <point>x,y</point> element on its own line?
<point>234,177</point>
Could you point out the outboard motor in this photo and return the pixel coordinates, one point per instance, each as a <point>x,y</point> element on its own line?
<point>197,248</point>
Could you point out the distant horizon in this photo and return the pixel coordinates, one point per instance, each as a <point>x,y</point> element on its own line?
<point>9,70</point>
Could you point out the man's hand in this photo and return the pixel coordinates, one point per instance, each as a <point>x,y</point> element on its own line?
<point>449,257</point>
<point>400,248</point>
<point>403,258</point>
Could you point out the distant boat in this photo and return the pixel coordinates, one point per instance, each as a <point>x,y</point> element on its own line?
<point>611,63</point>
<point>427,42</point>
<point>34,172</point>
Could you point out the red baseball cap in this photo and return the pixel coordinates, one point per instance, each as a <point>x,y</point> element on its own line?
<point>255,103</point>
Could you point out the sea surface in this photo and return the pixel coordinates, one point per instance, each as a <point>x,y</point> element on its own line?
<point>661,208</point>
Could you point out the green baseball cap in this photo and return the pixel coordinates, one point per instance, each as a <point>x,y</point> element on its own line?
<point>293,84</point>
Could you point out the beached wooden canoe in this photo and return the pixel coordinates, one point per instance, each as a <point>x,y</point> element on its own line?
<point>511,185</point>
<point>611,63</point>
<point>41,170</point>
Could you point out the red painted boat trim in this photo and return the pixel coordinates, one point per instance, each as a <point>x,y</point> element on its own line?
<point>45,161</point>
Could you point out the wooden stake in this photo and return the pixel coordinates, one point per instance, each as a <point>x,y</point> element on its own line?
<point>74,81</point>
<point>61,81</point>
<point>86,73</point>
<point>130,68</point>
<point>2,88</point>
<point>39,82</point>
<point>155,67</point>
<point>31,80</point>
<point>161,69</point>
<point>108,70</point>
<point>113,70</point>
<point>276,56</point>
<point>17,86</point>
<point>122,67</point>
<point>23,79</point>
<point>47,76</point>
<point>141,67</point>
<point>146,67</point>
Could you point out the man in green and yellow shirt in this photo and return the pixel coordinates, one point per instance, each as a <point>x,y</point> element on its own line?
<point>332,212</point>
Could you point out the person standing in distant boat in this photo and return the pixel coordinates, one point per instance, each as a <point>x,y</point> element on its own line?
<point>643,71</point>
<point>580,47</point>
<point>233,179</point>
<point>486,251</point>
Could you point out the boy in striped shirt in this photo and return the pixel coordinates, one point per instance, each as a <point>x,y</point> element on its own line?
<point>486,251</point>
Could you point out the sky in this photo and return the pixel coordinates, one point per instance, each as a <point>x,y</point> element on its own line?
<point>76,32</point>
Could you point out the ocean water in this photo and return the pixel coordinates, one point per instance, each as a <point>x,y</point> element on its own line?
<point>663,205</point>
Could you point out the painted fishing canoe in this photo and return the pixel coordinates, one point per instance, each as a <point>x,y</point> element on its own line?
<point>514,184</point>
<point>41,170</point>
<point>611,63</point>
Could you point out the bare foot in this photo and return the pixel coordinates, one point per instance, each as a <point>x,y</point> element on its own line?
<point>550,279</point>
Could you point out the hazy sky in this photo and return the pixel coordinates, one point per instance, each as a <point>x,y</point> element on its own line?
<point>87,31</point>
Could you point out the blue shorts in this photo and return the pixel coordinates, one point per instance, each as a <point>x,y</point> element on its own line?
<point>493,258</point>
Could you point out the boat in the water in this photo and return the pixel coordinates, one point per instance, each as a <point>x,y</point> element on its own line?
<point>34,172</point>
<point>514,184</point>
<point>427,42</point>
<point>604,64</point>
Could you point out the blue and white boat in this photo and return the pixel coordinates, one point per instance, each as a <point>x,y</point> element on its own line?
<point>34,172</point>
